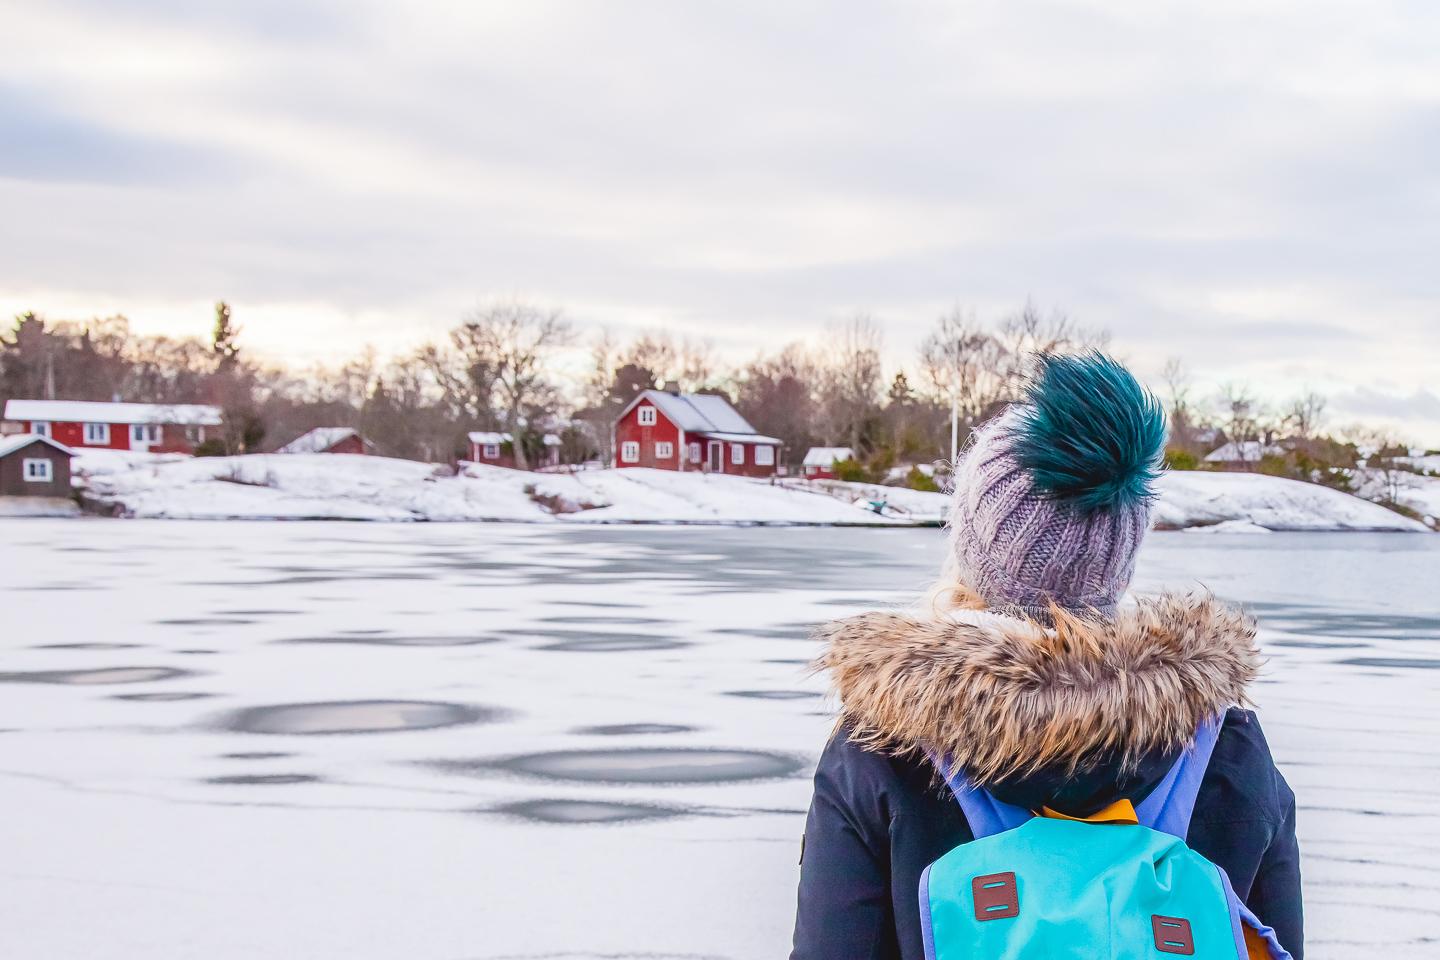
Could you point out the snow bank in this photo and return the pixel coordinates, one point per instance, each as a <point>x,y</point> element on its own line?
<point>345,487</point>
<point>1418,493</point>
<point>1196,498</point>
<point>38,507</point>
<point>339,486</point>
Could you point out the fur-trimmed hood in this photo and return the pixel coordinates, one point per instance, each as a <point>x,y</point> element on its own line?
<point>1005,697</point>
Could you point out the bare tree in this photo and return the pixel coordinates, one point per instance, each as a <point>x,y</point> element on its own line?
<point>850,389</point>
<point>1241,411</point>
<point>507,346</point>
<point>1305,415</point>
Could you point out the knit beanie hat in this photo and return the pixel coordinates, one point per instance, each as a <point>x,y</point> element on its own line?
<point>1052,499</point>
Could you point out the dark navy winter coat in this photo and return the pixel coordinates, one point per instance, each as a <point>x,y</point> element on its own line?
<point>877,822</point>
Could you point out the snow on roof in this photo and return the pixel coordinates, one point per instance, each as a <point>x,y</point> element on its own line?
<point>318,440</point>
<point>94,411</point>
<point>19,441</point>
<point>697,412</point>
<point>825,456</point>
<point>742,438</point>
<point>1249,451</point>
<point>484,437</point>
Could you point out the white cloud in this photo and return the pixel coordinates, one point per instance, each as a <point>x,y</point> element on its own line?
<point>1251,187</point>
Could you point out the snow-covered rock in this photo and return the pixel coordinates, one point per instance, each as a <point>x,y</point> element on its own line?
<point>1198,498</point>
<point>1231,526</point>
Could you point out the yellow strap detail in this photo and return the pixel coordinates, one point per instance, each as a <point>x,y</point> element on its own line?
<point>1121,811</point>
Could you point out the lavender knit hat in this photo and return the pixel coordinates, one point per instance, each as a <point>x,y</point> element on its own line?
<point>1052,499</point>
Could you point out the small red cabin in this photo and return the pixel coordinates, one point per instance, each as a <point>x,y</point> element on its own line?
<point>33,466</point>
<point>669,430</point>
<point>498,450</point>
<point>82,424</point>
<point>329,440</point>
<point>820,462</point>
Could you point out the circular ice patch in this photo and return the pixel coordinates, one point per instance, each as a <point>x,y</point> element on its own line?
<point>586,811</point>
<point>354,716</point>
<point>645,765</point>
<point>98,676</point>
<point>627,729</point>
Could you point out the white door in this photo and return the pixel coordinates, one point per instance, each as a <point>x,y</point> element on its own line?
<point>715,451</point>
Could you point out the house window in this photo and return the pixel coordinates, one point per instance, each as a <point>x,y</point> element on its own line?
<point>764,456</point>
<point>664,451</point>
<point>647,416</point>
<point>41,428</point>
<point>145,433</point>
<point>97,433</point>
<point>37,471</point>
<point>694,453</point>
<point>737,453</point>
<point>194,434</point>
<point>630,452</point>
<point>491,451</point>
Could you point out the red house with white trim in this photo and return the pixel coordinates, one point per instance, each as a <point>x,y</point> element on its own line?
<point>82,424</point>
<point>498,449</point>
<point>670,430</point>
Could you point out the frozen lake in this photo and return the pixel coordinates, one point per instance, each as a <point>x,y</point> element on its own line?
<point>226,740</point>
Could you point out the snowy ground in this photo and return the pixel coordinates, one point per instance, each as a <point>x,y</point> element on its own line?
<point>321,486</point>
<point>483,741</point>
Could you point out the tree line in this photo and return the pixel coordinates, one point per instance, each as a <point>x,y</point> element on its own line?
<point>500,369</point>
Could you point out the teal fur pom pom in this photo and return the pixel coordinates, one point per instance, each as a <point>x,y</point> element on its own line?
<point>1089,434</point>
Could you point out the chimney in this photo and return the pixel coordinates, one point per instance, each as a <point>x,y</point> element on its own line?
<point>672,387</point>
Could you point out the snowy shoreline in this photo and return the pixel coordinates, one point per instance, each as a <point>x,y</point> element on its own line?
<point>345,487</point>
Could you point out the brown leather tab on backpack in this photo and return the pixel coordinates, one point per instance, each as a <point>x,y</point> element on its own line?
<point>996,896</point>
<point>1172,935</point>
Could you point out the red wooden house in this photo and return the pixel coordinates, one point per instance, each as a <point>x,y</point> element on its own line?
<point>498,450</point>
<point>82,424</point>
<point>820,462</point>
<point>329,440</point>
<point>670,430</point>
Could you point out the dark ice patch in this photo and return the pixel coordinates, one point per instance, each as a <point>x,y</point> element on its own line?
<point>354,716</point>
<point>586,811</point>
<point>263,779</point>
<point>640,765</point>
<point>97,676</point>
<point>161,696</point>
<point>774,694</point>
<point>617,643</point>
<point>632,729</point>
<point>1407,663</point>
<point>90,645</point>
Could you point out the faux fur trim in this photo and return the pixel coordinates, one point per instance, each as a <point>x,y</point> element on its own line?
<point>1006,697</point>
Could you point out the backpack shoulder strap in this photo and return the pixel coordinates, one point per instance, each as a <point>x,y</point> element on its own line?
<point>1170,805</point>
<point>986,815</point>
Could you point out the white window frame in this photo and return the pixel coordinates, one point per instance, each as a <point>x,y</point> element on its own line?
<point>490,451</point>
<point>664,450</point>
<point>647,416</point>
<point>145,433</point>
<point>41,428</point>
<point>45,475</point>
<point>695,455</point>
<point>737,454</point>
<point>97,434</point>
<point>194,433</point>
<point>764,455</point>
<point>630,451</point>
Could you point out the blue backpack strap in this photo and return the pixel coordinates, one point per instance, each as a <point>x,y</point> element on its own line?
<point>1170,805</point>
<point>986,815</point>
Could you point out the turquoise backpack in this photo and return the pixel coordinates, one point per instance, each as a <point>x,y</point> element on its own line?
<point>1033,887</point>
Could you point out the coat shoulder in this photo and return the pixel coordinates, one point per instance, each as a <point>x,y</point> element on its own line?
<point>1242,783</point>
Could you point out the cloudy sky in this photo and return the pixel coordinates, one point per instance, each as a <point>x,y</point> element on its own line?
<point>1254,187</point>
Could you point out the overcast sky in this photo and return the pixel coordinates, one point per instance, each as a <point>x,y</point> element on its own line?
<point>1254,187</point>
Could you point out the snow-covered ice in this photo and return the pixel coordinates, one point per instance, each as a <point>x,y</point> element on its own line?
<point>501,740</point>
